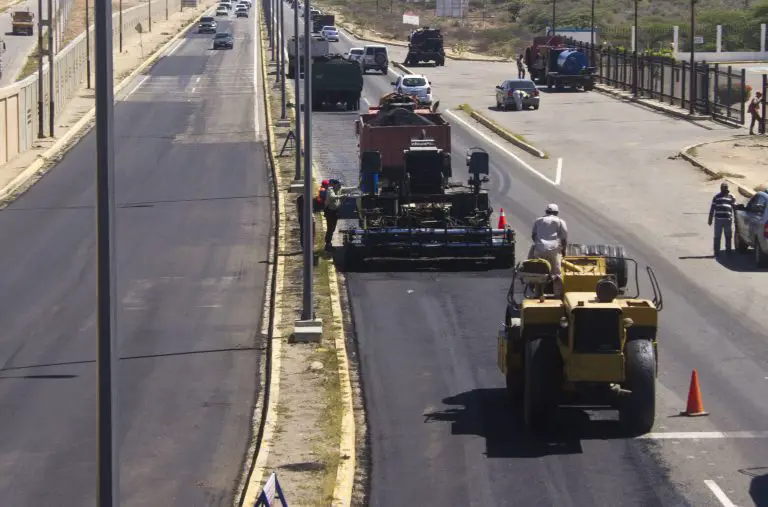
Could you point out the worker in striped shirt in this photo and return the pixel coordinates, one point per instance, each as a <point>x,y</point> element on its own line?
<point>721,211</point>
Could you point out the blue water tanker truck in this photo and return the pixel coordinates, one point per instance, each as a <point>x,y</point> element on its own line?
<point>561,66</point>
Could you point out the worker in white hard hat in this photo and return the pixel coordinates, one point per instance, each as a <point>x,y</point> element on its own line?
<point>550,239</point>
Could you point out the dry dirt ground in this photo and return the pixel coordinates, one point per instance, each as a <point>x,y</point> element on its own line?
<point>742,158</point>
<point>76,21</point>
<point>83,100</point>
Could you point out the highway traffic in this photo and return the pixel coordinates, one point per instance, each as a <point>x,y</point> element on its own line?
<point>442,429</point>
<point>193,226</point>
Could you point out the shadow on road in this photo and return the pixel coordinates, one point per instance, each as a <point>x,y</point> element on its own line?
<point>758,487</point>
<point>381,265</point>
<point>741,263</point>
<point>491,414</point>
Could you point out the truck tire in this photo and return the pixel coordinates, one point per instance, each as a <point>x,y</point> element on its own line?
<point>515,379</point>
<point>542,383</point>
<point>615,265</point>
<point>637,411</point>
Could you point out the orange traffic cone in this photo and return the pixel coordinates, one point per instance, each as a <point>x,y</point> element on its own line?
<point>502,220</point>
<point>695,406</point>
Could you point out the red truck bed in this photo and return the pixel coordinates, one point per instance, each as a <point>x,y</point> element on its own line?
<point>391,141</point>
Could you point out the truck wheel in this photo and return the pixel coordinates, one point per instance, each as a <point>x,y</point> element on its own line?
<point>515,379</point>
<point>637,411</point>
<point>542,383</point>
<point>384,70</point>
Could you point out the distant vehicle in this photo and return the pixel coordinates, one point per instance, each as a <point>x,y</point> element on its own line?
<point>222,11</point>
<point>751,221</point>
<point>223,40</point>
<point>506,100</point>
<point>22,22</point>
<point>330,33</point>
<point>207,25</point>
<point>242,5</point>
<point>425,45</point>
<point>355,54</point>
<point>226,3</point>
<point>416,86</point>
<point>241,12</point>
<point>376,57</point>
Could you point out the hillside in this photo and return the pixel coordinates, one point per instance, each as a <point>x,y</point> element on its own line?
<point>505,27</point>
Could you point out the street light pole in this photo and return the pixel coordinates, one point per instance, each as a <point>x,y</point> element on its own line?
<point>554,12</point>
<point>278,40</point>
<point>297,85</point>
<point>592,31</point>
<point>634,54</point>
<point>120,20</point>
<point>692,102</point>
<point>282,60</point>
<point>149,7</point>
<point>87,46</point>
<point>307,312</point>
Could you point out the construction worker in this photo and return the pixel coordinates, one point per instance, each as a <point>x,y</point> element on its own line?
<point>721,210</point>
<point>755,111</point>
<point>520,67</point>
<point>333,200</point>
<point>518,96</point>
<point>550,239</point>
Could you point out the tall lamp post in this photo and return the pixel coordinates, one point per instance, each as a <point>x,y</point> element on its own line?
<point>554,12</point>
<point>634,54</point>
<point>282,56</point>
<point>692,101</point>
<point>592,24</point>
<point>297,83</point>
<point>307,311</point>
<point>120,20</point>
<point>87,45</point>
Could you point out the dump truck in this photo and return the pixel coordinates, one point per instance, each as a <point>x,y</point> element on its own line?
<point>552,62</point>
<point>425,45</point>
<point>321,20</point>
<point>409,207</point>
<point>22,22</point>
<point>595,344</point>
<point>317,49</point>
<point>336,80</point>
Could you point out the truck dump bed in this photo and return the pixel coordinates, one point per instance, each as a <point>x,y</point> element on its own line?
<point>390,132</point>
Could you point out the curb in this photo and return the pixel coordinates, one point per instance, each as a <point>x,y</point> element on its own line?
<point>82,126</point>
<point>265,415</point>
<point>401,67</point>
<point>685,155</point>
<point>507,136</point>
<point>648,103</point>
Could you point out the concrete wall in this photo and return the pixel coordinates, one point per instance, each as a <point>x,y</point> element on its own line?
<point>18,102</point>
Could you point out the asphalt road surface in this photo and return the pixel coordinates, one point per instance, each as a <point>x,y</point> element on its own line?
<point>193,226</point>
<point>441,429</point>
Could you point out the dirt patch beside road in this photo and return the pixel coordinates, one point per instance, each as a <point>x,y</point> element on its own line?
<point>742,158</point>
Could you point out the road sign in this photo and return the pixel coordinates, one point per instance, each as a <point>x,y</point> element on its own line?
<point>698,40</point>
<point>410,18</point>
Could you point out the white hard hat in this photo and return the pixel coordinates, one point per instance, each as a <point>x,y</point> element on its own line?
<point>552,208</point>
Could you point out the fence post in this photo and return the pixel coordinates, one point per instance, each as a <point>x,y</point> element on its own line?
<point>684,76</point>
<point>743,95</point>
<point>729,99</point>
<point>719,40</point>
<point>717,89</point>
<point>661,82</point>
<point>675,39</point>
<point>762,37</point>
<point>706,88</point>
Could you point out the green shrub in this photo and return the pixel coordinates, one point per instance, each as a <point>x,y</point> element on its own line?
<point>726,99</point>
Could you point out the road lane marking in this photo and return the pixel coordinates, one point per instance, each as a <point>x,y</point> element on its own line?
<point>197,80</point>
<point>559,175</point>
<point>509,153</point>
<point>719,494</point>
<point>194,88</point>
<point>703,435</point>
<point>174,48</point>
<point>136,87</point>
<point>256,70</point>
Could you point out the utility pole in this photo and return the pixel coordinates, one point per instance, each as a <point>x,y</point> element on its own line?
<point>51,91</point>
<point>307,312</point>
<point>297,88</point>
<point>149,7</point>
<point>87,45</point>
<point>107,493</point>
<point>120,6</point>
<point>692,104</point>
<point>282,60</point>
<point>592,31</point>
<point>279,47</point>
<point>634,54</point>
<point>166,10</point>
<point>273,26</point>
<point>40,52</point>
<point>554,12</point>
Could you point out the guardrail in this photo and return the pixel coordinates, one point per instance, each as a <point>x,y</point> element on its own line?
<point>19,101</point>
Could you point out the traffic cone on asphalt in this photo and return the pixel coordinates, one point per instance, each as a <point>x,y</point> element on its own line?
<point>695,406</point>
<point>502,219</point>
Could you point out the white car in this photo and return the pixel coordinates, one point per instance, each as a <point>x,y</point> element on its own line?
<point>355,54</point>
<point>222,11</point>
<point>241,4</point>
<point>330,33</point>
<point>415,85</point>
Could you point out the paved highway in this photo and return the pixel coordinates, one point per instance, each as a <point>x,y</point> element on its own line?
<point>192,235</point>
<point>441,429</point>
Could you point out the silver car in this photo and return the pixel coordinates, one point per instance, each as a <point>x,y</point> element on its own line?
<point>751,221</point>
<point>505,99</point>
<point>416,86</point>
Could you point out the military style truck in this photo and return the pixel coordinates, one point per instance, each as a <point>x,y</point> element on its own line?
<point>22,22</point>
<point>336,80</point>
<point>425,45</point>
<point>317,49</point>
<point>321,20</point>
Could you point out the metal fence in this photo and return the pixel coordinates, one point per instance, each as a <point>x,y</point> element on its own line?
<point>19,101</point>
<point>720,91</point>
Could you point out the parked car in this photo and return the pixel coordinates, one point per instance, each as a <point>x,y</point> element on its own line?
<point>415,85</point>
<point>329,33</point>
<point>207,25</point>
<point>223,40</point>
<point>241,12</point>
<point>376,57</point>
<point>751,221</point>
<point>505,100</point>
<point>355,54</point>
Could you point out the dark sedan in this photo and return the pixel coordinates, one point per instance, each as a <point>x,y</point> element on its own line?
<point>223,41</point>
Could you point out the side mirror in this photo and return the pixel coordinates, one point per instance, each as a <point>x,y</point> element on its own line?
<point>498,87</point>
<point>393,83</point>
